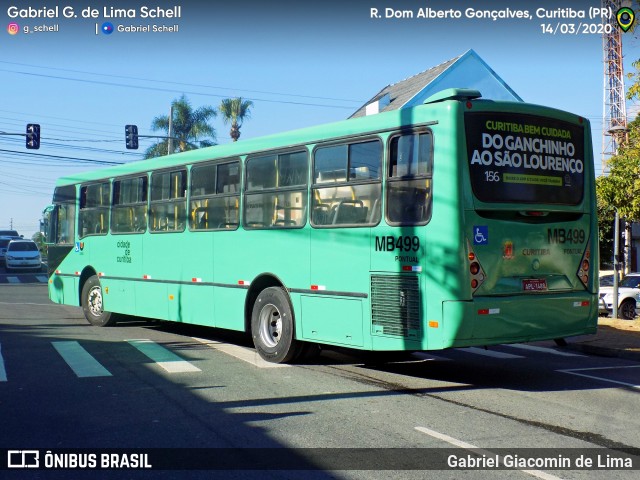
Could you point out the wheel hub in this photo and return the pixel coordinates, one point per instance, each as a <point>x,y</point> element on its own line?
<point>270,325</point>
<point>95,301</point>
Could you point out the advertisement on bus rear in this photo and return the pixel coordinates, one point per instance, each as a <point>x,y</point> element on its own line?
<point>515,158</point>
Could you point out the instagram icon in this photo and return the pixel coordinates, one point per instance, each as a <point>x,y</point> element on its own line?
<point>13,28</point>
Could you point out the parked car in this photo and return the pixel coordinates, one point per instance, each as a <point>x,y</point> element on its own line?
<point>4,242</point>
<point>628,296</point>
<point>9,233</point>
<point>23,255</point>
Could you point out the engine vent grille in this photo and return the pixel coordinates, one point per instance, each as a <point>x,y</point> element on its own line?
<point>395,305</point>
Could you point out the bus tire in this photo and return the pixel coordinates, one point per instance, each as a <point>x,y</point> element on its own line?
<point>92,304</point>
<point>272,326</point>
<point>627,309</point>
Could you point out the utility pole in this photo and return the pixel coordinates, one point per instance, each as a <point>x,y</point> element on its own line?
<point>170,143</point>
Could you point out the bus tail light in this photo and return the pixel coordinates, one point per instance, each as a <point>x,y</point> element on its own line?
<point>476,272</point>
<point>585,264</point>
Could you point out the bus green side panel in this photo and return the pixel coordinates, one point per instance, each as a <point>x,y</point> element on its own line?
<point>151,300</point>
<point>338,259</point>
<point>332,320</point>
<point>229,308</point>
<point>64,290</point>
<point>117,296</point>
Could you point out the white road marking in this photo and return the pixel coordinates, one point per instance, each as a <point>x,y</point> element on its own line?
<point>3,371</point>
<point>469,446</point>
<point>248,355</point>
<point>79,360</point>
<point>552,351</point>
<point>13,280</point>
<point>429,357</point>
<point>574,371</point>
<point>42,278</point>
<point>165,359</point>
<point>488,353</point>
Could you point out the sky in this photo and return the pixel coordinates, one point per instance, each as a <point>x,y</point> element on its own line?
<point>302,63</point>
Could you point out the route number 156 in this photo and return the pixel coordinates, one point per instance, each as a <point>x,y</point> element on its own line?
<point>492,176</point>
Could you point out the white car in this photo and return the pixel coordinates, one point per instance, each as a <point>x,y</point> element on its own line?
<point>628,296</point>
<point>23,255</point>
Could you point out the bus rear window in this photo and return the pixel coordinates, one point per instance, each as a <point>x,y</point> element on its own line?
<point>516,158</point>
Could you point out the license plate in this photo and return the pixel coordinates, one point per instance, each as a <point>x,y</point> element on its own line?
<point>534,285</point>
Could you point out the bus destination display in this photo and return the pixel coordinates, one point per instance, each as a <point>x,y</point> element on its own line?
<point>524,158</point>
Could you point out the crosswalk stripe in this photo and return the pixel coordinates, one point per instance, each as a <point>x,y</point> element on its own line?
<point>80,361</point>
<point>3,371</point>
<point>552,351</point>
<point>13,280</point>
<point>165,359</point>
<point>42,278</point>
<point>248,355</point>
<point>488,353</point>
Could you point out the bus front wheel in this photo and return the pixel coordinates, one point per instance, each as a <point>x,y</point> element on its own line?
<point>272,326</point>
<point>92,304</point>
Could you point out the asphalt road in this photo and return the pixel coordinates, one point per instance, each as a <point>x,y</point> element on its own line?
<point>67,385</point>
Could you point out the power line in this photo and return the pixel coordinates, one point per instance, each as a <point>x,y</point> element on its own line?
<point>102,75</point>
<point>84,160</point>
<point>112,84</point>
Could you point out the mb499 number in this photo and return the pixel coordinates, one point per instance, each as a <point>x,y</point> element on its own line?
<point>404,243</point>
<point>569,235</point>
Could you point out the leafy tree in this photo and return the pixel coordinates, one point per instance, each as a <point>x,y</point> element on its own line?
<point>620,189</point>
<point>191,129</point>
<point>39,240</point>
<point>235,111</point>
<point>634,89</point>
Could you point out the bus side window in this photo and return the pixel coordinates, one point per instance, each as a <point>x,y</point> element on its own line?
<point>276,190</point>
<point>338,200</point>
<point>215,197</point>
<point>409,179</point>
<point>129,205</point>
<point>168,205</point>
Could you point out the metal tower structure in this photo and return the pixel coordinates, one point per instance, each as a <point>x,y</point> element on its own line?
<point>614,107</point>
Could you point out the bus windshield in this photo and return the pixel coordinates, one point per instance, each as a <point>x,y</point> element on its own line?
<point>516,158</point>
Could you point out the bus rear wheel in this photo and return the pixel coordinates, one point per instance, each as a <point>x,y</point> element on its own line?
<point>92,304</point>
<point>272,326</point>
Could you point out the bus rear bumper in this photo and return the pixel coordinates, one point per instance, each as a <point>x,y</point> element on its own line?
<point>513,319</point>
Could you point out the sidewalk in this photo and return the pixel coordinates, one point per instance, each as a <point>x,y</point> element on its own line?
<point>615,338</point>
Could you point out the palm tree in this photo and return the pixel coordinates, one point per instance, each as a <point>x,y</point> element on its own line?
<point>190,128</point>
<point>235,110</point>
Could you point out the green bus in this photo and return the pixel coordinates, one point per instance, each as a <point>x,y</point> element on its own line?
<point>455,223</point>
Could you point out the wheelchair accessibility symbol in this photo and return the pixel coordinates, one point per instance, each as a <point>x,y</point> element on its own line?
<point>480,235</point>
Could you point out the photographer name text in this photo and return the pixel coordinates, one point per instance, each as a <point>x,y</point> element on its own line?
<point>90,12</point>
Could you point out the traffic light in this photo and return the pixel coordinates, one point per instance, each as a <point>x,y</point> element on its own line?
<point>131,136</point>
<point>33,136</point>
